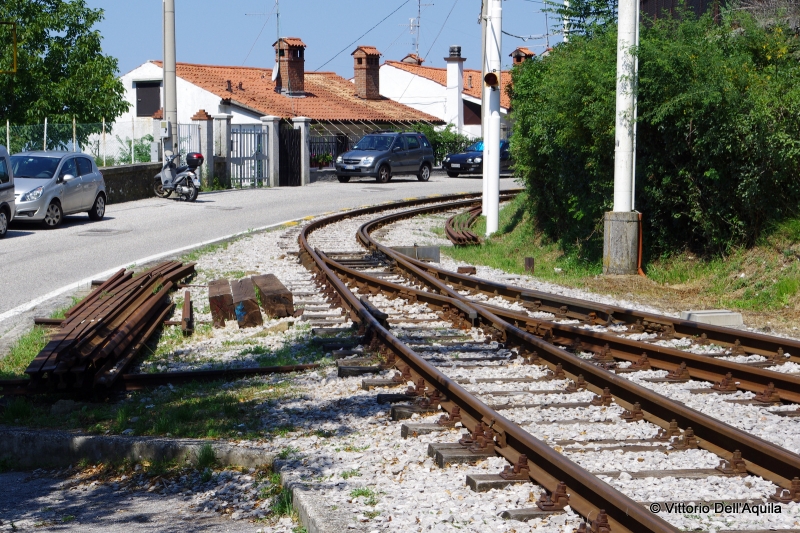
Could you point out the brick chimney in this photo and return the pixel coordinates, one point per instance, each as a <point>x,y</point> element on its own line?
<point>366,64</point>
<point>521,54</point>
<point>290,57</point>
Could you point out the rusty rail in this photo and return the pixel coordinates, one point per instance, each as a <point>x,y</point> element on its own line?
<point>458,227</point>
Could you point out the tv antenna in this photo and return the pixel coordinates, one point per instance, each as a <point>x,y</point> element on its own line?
<point>414,24</point>
<point>277,11</point>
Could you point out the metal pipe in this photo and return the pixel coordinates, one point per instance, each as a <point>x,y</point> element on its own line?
<point>170,76</point>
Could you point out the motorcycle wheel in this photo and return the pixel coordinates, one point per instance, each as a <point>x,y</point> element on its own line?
<point>159,189</point>
<point>191,196</point>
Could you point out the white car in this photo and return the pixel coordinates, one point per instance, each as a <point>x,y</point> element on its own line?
<point>7,205</point>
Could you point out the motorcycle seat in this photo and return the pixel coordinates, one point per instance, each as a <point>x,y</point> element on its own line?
<point>181,169</point>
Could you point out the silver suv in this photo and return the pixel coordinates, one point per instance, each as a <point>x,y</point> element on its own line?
<point>6,192</point>
<point>383,155</point>
<point>51,185</point>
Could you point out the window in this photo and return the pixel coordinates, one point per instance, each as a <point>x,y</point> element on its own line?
<point>469,81</point>
<point>68,168</point>
<point>148,98</point>
<point>4,176</point>
<point>413,143</point>
<point>84,166</point>
<point>399,143</point>
<point>359,60</point>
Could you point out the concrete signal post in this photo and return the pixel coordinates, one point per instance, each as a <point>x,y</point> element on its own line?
<point>491,117</point>
<point>170,77</point>
<point>621,226</point>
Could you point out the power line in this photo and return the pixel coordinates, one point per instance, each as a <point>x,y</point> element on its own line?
<point>362,35</point>
<point>532,37</point>
<point>259,33</point>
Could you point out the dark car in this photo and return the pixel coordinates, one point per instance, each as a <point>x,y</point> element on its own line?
<point>386,154</point>
<point>470,161</point>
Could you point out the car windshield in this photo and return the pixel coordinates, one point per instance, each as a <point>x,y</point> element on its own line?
<point>374,142</point>
<point>40,168</point>
<point>477,147</point>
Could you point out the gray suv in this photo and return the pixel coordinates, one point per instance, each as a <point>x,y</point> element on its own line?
<point>383,155</point>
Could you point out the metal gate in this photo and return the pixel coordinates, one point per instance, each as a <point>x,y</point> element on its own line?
<point>249,157</point>
<point>188,140</point>
<point>289,161</point>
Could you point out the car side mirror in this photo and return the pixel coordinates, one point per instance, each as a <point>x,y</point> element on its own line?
<point>67,177</point>
<point>396,149</point>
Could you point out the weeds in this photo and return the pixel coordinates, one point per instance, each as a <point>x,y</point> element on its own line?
<point>23,352</point>
<point>288,452</point>
<point>206,457</point>
<point>347,474</point>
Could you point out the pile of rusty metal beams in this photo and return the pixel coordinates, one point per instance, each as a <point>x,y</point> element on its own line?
<point>101,335</point>
<point>457,227</point>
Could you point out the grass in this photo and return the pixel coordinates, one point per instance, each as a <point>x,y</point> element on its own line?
<point>197,253</point>
<point>347,474</point>
<point>23,352</point>
<point>762,282</point>
<point>196,410</point>
<point>369,495</point>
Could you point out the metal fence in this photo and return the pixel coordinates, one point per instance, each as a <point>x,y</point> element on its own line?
<point>249,157</point>
<point>329,144</point>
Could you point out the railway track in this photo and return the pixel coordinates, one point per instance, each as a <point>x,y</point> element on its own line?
<point>379,275</point>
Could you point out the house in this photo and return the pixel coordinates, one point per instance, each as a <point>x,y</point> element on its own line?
<point>331,102</point>
<point>451,93</point>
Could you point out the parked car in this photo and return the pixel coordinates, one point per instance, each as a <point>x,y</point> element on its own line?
<point>387,154</point>
<point>7,208</point>
<point>51,185</point>
<point>470,161</point>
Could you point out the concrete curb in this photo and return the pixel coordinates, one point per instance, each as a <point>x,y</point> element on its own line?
<point>29,448</point>
<point>314,509</point>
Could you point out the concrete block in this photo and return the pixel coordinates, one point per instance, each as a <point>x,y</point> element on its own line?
<point>621,243</point>
<point>715,317</point>
<point>487,482</point>
<point>415,430</point>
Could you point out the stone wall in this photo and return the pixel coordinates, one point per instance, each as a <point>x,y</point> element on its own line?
<point>127,183</point>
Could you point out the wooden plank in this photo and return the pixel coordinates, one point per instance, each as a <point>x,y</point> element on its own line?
<point>245,303</point>
<point>275,299</point>
<point>187,325</point>
<point>220,300</point>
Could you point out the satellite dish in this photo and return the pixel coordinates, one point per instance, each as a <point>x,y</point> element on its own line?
<point>275,72</point>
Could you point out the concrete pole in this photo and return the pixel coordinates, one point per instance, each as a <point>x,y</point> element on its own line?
<point>566,23</point>
<point>484,16</point>
<point>491,141</point>
<point>621,226</point>
<point>170,77</point>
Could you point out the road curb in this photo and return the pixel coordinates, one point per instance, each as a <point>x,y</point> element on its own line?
<point>23,448</point>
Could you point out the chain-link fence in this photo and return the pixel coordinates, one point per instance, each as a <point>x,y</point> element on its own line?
<point>120,143</point>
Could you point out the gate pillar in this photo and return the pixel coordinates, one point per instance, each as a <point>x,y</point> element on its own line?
<point>206,146</point>
<point>304,125</point>
<point>222,146</point>
<point>271,125</point>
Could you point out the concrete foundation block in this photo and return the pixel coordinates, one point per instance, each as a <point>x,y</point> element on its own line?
<point>715,317</point>
<point>621,243</point>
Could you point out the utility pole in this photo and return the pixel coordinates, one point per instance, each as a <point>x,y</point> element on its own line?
<point>565,20</point>
<point>621,226</point>
<point>170,77</point>
<point>492,86</point>
<point>484,16</point>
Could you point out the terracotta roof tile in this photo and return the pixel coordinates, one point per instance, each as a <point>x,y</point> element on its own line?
<point>201,115</point>
<point>439,75</point>
<point>291,41</point>
<point>369,50</point>
<point>328,95</point>
<point>522,50</point>
<point>414,59</point>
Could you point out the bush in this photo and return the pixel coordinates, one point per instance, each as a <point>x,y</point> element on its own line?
<point>445,141</point>
<point>718,145</point>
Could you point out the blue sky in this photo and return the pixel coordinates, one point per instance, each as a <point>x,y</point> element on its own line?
<point>220,32</point>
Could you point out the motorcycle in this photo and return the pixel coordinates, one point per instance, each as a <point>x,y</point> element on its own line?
<point>181,180</point>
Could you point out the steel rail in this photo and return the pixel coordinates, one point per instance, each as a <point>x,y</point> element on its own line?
<point>589,493</point>
<point>755,343</point>
<point>763,458</point>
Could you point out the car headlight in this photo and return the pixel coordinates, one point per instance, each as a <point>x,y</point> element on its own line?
<point>30,196</point>
<point>339,159</point>
<point>478,159</point>
<point>469,160</point>
<point>367,161</point>
<point>447,159</point>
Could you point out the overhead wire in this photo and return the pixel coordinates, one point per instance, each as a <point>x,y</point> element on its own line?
<point>259,36</point>
<point>362,35</point>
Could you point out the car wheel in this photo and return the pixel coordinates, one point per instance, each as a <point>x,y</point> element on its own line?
<point>3,223</point>
<point>98,210</point>
<point>452,174</point>
<point>158,188</point>
<point>424,172</point>
<point>384,174</point>
<point>53,216</point>
<point>343,179</point>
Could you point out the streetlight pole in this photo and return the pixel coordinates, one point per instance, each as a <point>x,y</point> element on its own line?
<point>170,76</point>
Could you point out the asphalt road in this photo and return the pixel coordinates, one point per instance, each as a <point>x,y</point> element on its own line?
<point>37,261</point>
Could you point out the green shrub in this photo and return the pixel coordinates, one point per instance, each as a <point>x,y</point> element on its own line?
<point>718,147</point>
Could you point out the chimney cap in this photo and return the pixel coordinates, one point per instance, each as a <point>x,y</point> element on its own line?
<point>291,42</point>
<point>455,51</point>
<point>413,59</point>
<point>368,50</point>
<point>522,51</point>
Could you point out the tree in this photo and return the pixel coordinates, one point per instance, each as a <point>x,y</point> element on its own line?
<point>584,17</point>
<point>61,70</point>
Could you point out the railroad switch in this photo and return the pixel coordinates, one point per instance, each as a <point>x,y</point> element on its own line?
<point>518,471</point>
<point>734,466</point>
<point>634,415</point>
<point>604,399</point>
<point>679,374</point>
<point>791,494</point>
<point>687,441</point>
<point>768,395</point>
<point>727,384</point>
